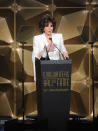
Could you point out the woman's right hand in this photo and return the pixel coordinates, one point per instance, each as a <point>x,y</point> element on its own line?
<point>40,54</point>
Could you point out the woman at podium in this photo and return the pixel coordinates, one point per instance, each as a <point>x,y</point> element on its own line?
<point>48,45</point>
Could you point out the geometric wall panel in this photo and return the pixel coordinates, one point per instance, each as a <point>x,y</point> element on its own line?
<point>28,68</point>
<point>69,24</point>
<point>5,63</point>
<point>6,99</point>
<point>77,21</point>
<point>5,34</point>
<point>29,98</point>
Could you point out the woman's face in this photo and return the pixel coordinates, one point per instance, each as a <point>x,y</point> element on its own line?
<point>48,29</point>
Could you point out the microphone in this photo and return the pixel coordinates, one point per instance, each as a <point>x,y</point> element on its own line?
<point>57,48</point>
<point>50,39</point>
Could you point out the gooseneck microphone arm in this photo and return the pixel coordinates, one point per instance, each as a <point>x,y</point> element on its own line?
<point>57,48</point>
<point>47,57</point>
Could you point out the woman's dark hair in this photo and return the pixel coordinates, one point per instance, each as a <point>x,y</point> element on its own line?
<point>45,20</point>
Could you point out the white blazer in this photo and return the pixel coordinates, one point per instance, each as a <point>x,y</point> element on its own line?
<point>39,44</point>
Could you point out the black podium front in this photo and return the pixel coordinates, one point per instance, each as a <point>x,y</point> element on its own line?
<point>53,83</point>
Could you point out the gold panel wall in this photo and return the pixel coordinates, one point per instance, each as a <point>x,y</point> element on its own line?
<point>77,21</point>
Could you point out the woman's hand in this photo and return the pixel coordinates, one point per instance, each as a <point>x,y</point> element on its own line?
<point>40,54</point>
<point>66,56</point>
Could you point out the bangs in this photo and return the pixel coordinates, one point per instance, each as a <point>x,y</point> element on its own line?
<point>47,23</point>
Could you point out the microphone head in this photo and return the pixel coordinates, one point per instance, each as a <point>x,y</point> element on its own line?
<point>50,39</point>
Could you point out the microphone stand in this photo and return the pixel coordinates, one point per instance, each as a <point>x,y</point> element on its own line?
<point>23,42</point>
<point>92,61</point>
<point>47,57</point>
<point>24,33</point>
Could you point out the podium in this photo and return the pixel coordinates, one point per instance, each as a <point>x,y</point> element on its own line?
<point>53,83</point>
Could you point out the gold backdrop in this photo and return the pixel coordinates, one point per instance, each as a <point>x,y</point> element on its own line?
<point>77,20</point>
